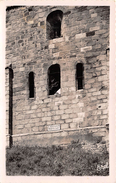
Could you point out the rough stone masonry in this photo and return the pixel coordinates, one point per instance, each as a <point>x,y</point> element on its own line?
<point>57,73</point>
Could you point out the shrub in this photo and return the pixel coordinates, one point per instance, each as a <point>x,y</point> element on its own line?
<point>56,160</point>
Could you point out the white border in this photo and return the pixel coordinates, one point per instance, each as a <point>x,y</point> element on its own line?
<point>88,179</point>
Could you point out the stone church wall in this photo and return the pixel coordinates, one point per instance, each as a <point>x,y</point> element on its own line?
<point>84,39</point>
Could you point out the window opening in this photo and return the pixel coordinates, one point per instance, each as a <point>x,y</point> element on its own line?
<point>54,21</point>
<point>53,79</point>
<point>31,85</point>
<point>79,76</point>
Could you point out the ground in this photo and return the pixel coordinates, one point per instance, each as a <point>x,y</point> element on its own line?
<point>76,159</point>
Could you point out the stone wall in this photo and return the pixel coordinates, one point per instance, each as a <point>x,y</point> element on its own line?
<point>84,39</point>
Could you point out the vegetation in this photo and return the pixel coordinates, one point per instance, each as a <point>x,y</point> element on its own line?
<point>71,160</point>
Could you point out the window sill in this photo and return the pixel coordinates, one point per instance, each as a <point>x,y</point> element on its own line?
<point>54,96</point>
<point>80,90</point>
<point>58,39</point>
<point>31,99</point>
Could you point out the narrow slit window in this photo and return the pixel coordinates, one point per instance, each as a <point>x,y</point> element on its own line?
<point>54,79</point>
<point>31,85</point>
<point>53,22</point>
<point>79,76</point>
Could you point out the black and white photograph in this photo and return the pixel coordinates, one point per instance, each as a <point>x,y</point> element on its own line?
<point>57,88</point>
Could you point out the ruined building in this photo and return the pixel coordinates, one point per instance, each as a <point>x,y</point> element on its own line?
<point>57,73</point>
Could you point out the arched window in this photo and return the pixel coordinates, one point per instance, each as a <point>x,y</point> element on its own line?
<point>79,76</point>
<point>53,79</point>
<point>31,85</point>
<point>53,24</point>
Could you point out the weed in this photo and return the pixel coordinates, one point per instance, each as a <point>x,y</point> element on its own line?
<point>56,160</point>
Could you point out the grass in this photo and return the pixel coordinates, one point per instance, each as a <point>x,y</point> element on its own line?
<point>72,160</point>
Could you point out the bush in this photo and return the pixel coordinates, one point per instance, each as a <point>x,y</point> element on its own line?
<point>56,160</point>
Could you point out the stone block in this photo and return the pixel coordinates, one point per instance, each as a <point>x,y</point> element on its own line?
<point>105,111</point>
<point>78,36</point>
<point>73,106</point>
<point>35,129</point>
<point>59,121</point>
<point>46,119</point>
<point>94,28</point>
<point>50,122</point>
<point>100,31</point>
<point>101,106</point>
<point>73,125</point>
<point>59,112</point>
<point>64,126</point>
<point>34,107</point>
<point>93,98</point>
<point>72,89</point>
<point>56,118</point>
<point>105,100</point>
<point>68,111</point>
<point>58,40</point>
<point>81,114</point>
<point>103,72</point>
<point>20,126</point>
<point>48,100</point>
<point>97,46</point>
<point>103,116</point>
<point>56,54</point>
<point>101,68</point>
<point>52,46</point>
<point>93,15</point>
<point>68,120</point>
<point>77,120</point>
<point>71,116</point>
<point>64,107</point>
<point>39,115</point>
<point>59,103</point>
<point>104,92</point>
<point>22,69</point>
<point>45,109</point>
<point>66,38</point>
<point>92,11</point>
<point>92,90</point>
<point>87,48</point>
<point>99,112</point>
<point>88,86</point>
<point>80,104</point>
<point>28,125</point>
<point>33,115</point>
<point>96,93</point>
<point>30,22</point>
<point>91,81</point>
<point>41,14</point>
<point>102,78</point>
<point>41,128</point>
<point>65,116</point>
